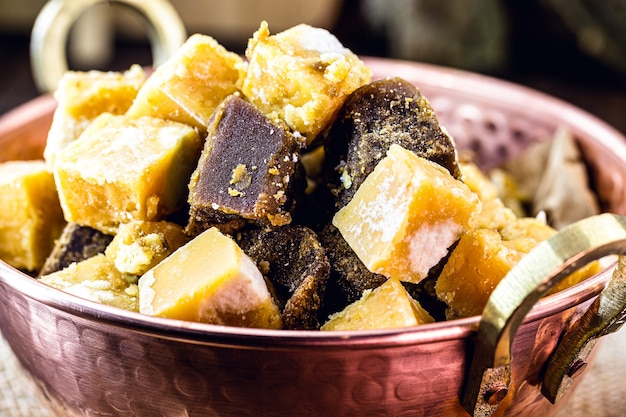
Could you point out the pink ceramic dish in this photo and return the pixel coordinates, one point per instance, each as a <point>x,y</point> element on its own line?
<point>91,360</point>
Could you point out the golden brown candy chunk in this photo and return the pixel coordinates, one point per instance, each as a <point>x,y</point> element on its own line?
<point>494,213</point>
<point>483,257</point>
<point>211,280</point>
<point>374,117</point>
<point>388,306</point>
<point>477,264</point>
<point>98,280</point>
<point>302,76</point>
<point>406,215</point>
<point>527,232</point>
<point>190,85</point>
<point>139,246</point>
<point>126,169</point>
<point>519,233</point>
<point>249,171</point>
<point>31,217</point>
<point>527,227</point>
<point>82,96</point>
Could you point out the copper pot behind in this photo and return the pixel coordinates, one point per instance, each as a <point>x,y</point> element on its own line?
<point>87,359</point>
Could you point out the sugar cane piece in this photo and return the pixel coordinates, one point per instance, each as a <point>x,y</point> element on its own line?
<point>75,244</point>
<point>374,117</point>
<point>293,260</point>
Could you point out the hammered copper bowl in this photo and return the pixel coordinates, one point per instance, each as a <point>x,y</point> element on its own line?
<point>91,360</point>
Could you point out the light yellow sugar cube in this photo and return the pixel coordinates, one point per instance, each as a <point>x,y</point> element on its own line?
<point>302,76</point>
<point>406,215</point>
<point>385,307</point>
<point>527,227</point>
<point>494,214</point>
<point>82,96</point>
<point>476,265</point>
<point>526,232</point>
<point>123,169</point>
<point>31,217</point>
<point>96,279</point>
<point>210,279</point>
<point>139,246</point>
<point>88,94</point>
<point>190,85</point>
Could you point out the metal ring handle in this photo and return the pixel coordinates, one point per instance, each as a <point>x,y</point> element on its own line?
<point>489,377</point>
<point>52,26</point>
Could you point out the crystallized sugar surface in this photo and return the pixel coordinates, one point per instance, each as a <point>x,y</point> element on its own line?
<point>430,242</point>
<point>319,40</point>
<point>386,212</point>
<point>302,76</point>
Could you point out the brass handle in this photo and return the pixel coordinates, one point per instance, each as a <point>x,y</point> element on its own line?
<point>52,26</point>
<point>605,315</point>
<point>489,377</point>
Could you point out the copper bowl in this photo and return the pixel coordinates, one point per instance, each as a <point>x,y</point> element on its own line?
<point>92,360</point>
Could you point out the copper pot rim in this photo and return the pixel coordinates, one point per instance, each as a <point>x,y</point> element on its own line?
<point>210,334</point>
<point>460,82</point>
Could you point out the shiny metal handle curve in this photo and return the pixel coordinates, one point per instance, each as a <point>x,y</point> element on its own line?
<point>606,315</point>
<point>488,380</point>
<point>52,26</point>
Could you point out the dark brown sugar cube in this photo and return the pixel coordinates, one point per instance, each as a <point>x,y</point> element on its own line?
<point>294,262</point>
<point>349,277</point>
<point>249,171</point>
<point>76,244</point>
<point>374,117</point>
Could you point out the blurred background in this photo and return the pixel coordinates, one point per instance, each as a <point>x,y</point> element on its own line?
<point>572,49</point>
